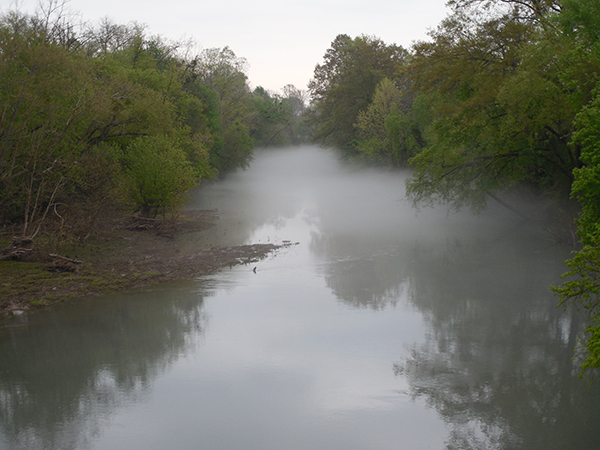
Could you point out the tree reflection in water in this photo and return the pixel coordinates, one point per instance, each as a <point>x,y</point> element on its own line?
<point>498,360</point>
<point>61,381</point>
<point>497,363</point>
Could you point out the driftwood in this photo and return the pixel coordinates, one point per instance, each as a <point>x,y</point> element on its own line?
<point>142,223</point>
<point>20,249</point>
<point>61,264</point>
<point>163,227</point>
<point>21,242</point>
<point>64,258</point>
<point>14,253</point>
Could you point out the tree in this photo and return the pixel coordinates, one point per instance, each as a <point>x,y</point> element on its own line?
<point>392,128</point>
<point>523,10</point>
<point>159,175</point>
<point>280,119</point>
<point>89,113</point>
<point>295,101</point>
<point>109,38</point>
<point>580,21</point>
<point>49,99</point>
<point>583,289</point>
<point>345,83</point>
<point>272,119</point>
<point>515,91</point>
<point>223,72</point>
<point>66,113</point>
<point>503,111</point>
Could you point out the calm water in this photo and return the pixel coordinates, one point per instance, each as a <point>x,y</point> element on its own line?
<point>380,329</point>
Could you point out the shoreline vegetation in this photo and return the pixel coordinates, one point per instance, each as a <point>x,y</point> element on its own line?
<point>125,252</point>
<point>98,118</point>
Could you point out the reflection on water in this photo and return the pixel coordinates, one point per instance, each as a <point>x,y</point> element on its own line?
<point>381,329</point>
<point>64,371</point>
<point>497,363</point>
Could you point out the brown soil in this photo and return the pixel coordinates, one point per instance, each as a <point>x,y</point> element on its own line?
<point>123,253</point>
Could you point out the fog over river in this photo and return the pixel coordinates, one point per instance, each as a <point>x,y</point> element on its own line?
<point>379,328</point>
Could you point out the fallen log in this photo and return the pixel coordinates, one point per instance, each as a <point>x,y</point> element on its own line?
<point>64,258</point>
<point>14,253</point>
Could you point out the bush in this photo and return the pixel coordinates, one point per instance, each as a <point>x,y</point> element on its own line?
<point>159,175</point>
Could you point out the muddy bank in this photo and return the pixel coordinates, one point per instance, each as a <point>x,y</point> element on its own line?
<point>122,254</point>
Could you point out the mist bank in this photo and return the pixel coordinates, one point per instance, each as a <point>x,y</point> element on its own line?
<point>357,200</point>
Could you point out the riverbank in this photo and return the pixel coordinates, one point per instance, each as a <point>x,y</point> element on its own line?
<point>123,253</point>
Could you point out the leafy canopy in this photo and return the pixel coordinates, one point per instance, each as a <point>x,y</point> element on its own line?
<point>345,83</point>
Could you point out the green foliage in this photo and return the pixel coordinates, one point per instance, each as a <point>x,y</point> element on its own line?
<point>279,119</point>
<point>505,92</point>
<point>224,73</point>
<point>200,113</point>
<point>522,10</point>
<point>159,175</point>
<point>579,20</point>
<point>583,287</point>
<point>273,119</point>
<point>513,86</point>
<point>76,110</point>
<point>49,99</point>
<point>592,347</point>
<point>391,130</point>
<point>344,85</point>
<point>294,101</point>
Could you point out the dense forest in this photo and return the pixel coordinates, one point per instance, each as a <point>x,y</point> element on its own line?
<point>97,117</point>
<point>503,96</point>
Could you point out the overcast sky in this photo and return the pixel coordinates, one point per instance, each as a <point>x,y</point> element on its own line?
<point>282,40</point>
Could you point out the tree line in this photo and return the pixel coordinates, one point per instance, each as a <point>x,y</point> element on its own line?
<point>503,95</point>
<point>105,116</point>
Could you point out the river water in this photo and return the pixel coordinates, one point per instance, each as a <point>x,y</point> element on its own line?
<point>376,328</point>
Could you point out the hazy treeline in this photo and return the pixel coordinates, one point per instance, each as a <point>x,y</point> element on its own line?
<point>97,116</point>
<point>503,95</point>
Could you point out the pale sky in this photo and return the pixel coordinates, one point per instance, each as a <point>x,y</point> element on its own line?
<point>282,41</point>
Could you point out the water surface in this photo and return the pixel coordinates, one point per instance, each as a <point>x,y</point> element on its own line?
<point>379,328</point>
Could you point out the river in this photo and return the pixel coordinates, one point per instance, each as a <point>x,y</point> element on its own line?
<point>379,327</point>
